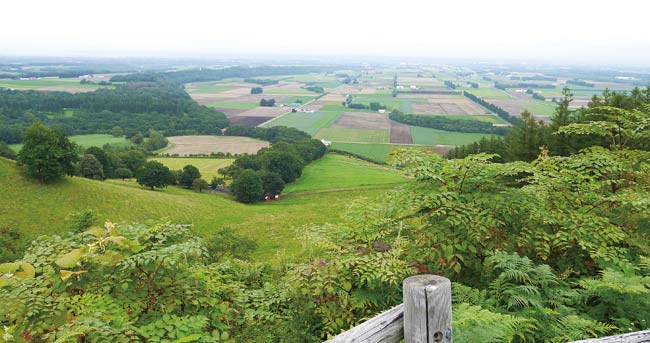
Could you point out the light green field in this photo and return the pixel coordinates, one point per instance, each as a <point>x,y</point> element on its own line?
<point>271,90</point>
<point>47,82</point>
<point>38,209</point>
<point>207,166</point>
<point>237,105</point>
<point>353,135</point>
<point>374,152</point>
<point>490,93</point>
<point>87,141</point>
<point>208,87</point>
<point>341,172</point>
<point>307,122</point>
<point>301,99</point>
<point>485,118</point>
<point>541,108</point>
<point>426,136</point>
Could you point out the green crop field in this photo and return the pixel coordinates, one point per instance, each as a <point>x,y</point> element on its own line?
<point>541,108</point>
<point>36,209</point>
<point>490,93</point>
<point>300,99</point>
<point>485,118</point>
<point>237,105</point>
<point>207,166</point>
<point>375,152</point>
<point>426,136</point>
<point>272,90</point>
<point>87,141</point>
<point>307,122</point>
<point>47,82</point>
<point>341,172</point>
<point>354,135</point>
<point>208,87</point>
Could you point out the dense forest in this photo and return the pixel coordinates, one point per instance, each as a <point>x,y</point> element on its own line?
<point>136,107</point>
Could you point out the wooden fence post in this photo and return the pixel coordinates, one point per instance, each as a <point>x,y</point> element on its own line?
<point>427,309</point>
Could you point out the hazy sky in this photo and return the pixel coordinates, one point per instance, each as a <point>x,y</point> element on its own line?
<point>592,31</point>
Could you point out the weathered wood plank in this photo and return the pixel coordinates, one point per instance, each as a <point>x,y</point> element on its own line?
<point>387,327</point>
<point>634,337</point>
<point>427,309</point>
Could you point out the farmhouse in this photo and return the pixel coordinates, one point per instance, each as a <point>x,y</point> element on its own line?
<point>326,143</point>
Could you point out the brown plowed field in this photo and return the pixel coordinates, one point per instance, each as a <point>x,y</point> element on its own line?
<point>248,121</point>
<point>190,145</point>
<point>362,121</point>
<point>400,133</point>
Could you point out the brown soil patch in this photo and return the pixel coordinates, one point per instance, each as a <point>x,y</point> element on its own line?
<point>332,97</point>
<point>248,121</point>
<point>230,112</point>
<point>447,106</point>
<point>400,133</point>
<point>66,89</point>
<point>514,107</point>
<point>362,121</point>
<point>209,98</point>
<point>429,96</point>
<point>269,112</point>
<point>194,145</point>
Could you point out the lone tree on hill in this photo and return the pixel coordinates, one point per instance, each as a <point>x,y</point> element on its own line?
<point>188,175</point>
<point>91,168</point>
<point>247,187</point>
<point>200,185</point>
<point>47,154</point>
<point>154,174</point>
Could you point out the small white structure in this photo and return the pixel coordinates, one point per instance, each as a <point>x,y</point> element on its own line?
<point>381,111</point>
<point>326,143</point>
<point>413,87</point>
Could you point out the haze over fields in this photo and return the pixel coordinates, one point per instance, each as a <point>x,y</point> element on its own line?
<point>585,32</point>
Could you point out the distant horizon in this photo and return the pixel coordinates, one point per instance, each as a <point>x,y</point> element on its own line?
<point>559,32</point>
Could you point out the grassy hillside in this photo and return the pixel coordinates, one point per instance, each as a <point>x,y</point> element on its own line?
<point>37,209</point>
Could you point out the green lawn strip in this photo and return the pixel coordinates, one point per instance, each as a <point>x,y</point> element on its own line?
<point>354,135</point>
<point>427,136</point>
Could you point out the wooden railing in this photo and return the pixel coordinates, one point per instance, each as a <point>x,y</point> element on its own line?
<point>425,317</point>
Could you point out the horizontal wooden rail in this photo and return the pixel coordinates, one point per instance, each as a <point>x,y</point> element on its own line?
<point>425,317</point>
<point>634,337</point>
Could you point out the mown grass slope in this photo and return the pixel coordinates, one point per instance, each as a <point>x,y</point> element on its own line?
<point>37,209</point>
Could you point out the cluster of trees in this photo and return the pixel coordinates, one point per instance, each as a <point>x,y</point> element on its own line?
<point>47,155</point>
<point>447,124</point>
<point>472,84</point>
<point>265,174</point>
<point>89,82</point>
<point>503,114</point>
<point>503,86</point>
<point>580,83</point>
<point>263,82</point>
<point>535,95</point>
<point>257,90</point>
<point>136,108</point>
<point>206,74</point>
<point>267,103</point>
<point>315,89</point>
<point>450,84</point>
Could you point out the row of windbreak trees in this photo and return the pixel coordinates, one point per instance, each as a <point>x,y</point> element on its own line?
<point>525,138</point>
<point>447,124</point>
<point>503,114</point>
<point>553,250</point>
<point>255,177</point>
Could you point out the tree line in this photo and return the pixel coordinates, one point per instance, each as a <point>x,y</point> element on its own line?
<point>503,114</point>
<point>206,74</point>
<point>447,124</point>
<point>450,84</point>
<point>580,83</point>
<point>523,141</point>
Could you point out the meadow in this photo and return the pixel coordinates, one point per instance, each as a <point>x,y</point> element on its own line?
<point>426,136</point>
<point>541,108</point>
<point>374,152</point>
<point>49,83</point>
<point>307,122</point>
<point>490,93</point>
<point>36,209</point>
<point>87,141</point>
<point>354,135</point>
